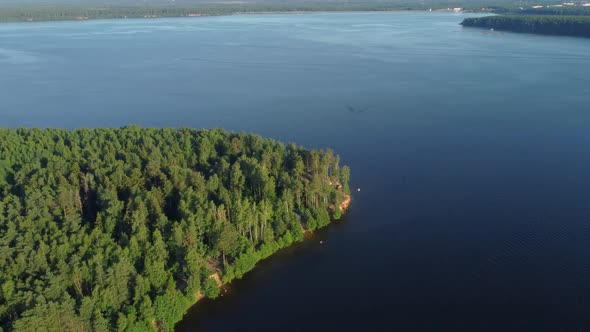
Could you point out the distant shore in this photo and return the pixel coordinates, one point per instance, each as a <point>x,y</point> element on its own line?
<point>339,12</point>
<point>236,13</point>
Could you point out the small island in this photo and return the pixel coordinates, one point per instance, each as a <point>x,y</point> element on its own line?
<point>125,229</point>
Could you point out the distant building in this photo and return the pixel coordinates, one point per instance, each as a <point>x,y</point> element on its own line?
<point>587,4</point>
<point>536,7</point>
<point>569,4</point>
<point>457,10</point>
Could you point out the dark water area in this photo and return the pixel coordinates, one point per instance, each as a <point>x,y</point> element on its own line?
<point>471,149</point>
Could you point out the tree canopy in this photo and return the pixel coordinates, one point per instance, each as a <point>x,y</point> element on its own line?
<point>120,229</point>
<point>572,25</point>
<point>47,10</point>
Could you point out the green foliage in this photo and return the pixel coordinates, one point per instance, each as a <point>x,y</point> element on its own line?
<point>111,9</point>
<point>245,262</point>
<point>316,218</point>
<point>574,25</point>
<point>345,175</point>
<point>553,10</point>
<point>323,217</point>
<point>310,222</point>
<point>119,229</point>
<point>211,289</point>
<point>169,309</point>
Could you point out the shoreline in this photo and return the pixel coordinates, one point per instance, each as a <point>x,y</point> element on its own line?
<point>220,284</point>
<point>294,12</point>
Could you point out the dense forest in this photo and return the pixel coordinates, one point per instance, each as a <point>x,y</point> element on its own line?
<point>121,229</point>
<point>569,20</point>
<point>69,10</point>
<point>48,10</point>
<point>573,25</point>
<point>563,11</point>
<point>72,12</point>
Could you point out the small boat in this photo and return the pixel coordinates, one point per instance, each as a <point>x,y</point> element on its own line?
<point>358,189</point>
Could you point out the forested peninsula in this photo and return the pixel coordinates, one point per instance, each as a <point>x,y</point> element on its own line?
<point>564,20</point>
<point>122,229</point>
<point>571,25</point>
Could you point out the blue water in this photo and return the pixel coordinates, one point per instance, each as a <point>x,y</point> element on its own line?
<point>471,149</point>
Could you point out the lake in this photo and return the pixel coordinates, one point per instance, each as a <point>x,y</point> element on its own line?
<point>471,149</point>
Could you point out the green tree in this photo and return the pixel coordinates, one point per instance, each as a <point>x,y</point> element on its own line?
<point>211,289</point>
<point>119,229</point>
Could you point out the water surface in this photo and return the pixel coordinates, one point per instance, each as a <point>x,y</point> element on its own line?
<point>471,149</point>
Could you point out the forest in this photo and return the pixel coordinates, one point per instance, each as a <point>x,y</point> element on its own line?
<point>73,12</point>
<point>121,229</point>
<point>44,11</point>
<point>572,25</point>
<point>563,11</point>
<point>568,20</point>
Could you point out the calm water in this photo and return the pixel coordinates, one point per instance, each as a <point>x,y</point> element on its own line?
<point>471,149</point>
